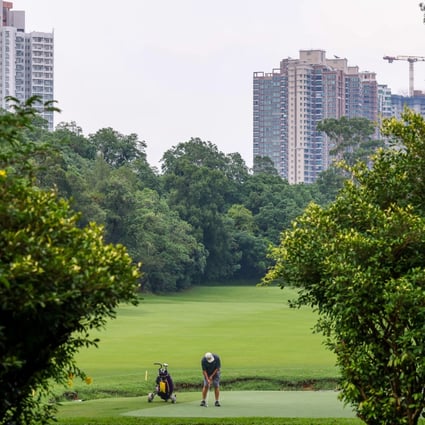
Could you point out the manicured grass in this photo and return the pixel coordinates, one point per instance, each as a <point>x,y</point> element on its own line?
<point>210,421</point>
<point>321,404</point>
<point>259,338</point>
<point>252,328</point>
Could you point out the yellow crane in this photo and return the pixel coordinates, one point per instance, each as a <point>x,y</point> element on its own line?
<point>411,60</point>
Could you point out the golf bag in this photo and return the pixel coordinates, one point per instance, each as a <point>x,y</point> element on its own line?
<point>164,385</point>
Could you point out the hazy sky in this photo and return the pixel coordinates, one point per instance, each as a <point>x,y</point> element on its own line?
<point>169,70</point>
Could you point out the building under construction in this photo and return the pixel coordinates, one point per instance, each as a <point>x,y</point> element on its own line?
<point>416,98</point>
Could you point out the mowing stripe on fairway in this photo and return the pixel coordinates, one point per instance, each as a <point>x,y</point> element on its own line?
<point>255,333</point>
<point>285,404</point>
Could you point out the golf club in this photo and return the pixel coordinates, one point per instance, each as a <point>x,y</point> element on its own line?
<point>208,394</point>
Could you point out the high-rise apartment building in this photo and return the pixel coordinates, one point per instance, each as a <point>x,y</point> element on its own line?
<point>26,60</point>
<point>290,101</point>
<point>385,108</point>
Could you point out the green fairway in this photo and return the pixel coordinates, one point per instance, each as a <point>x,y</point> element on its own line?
<point>252,328</point>
<point>259,338</point>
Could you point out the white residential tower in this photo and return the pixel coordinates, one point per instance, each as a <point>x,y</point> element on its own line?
<point>26,60</point>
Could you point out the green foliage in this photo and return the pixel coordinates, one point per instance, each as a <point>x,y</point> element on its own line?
<point>104,175</point>
<point>57,281</point>
<point>172,257</point>
<point>202,183</point>
<point>117,149</point>
<point>252,247</point>
<point>264,165</point>
<point>351,138</point>
<point>329,183</point>
<point>274,203</point>
<point>70,135</point>
<point>17,149</point>
<point>114,195</point>
<point>361,263</point>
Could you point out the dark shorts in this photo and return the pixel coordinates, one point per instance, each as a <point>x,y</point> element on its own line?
<point>215,382</point>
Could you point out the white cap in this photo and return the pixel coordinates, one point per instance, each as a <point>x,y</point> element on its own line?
<point>209,357</point>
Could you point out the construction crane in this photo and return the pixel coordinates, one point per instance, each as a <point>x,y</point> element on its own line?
<point>411,60</point>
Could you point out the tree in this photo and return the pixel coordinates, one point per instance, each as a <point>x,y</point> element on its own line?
<point>117,201</point>
<point>360,262</point>
<point>351,138</point>
<point>274,203</point>
<point>263,164</point>
<point>252,247</point>
<point>69,151</point>
<point>57,281</point>
<point>116,148</point>
<point>201,184</point>
<point>329,183</point>
<point>172,257</point>
<point>71,135</point>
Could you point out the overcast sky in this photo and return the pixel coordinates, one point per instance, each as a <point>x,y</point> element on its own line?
<point>169,70</point>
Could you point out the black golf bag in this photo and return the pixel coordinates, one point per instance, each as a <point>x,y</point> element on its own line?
<point>164,385</point>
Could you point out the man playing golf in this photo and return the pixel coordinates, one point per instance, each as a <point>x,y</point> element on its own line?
<point>211,364</point>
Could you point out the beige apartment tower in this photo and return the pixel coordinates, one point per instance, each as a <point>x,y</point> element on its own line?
<point>289,102</point>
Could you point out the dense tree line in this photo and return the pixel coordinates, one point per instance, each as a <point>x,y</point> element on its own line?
<point>204,216</point>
